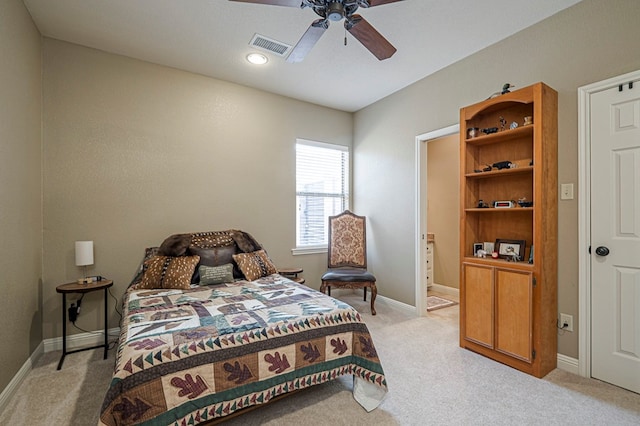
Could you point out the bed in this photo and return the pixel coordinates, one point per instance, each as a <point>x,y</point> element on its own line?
<point>198,352</point>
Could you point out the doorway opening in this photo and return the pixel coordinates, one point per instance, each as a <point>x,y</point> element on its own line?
<point>422,211</point>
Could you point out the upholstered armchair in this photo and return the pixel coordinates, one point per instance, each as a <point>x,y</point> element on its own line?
<point>347,256</point>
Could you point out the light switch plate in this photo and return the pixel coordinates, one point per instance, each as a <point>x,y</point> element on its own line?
<point>566,191</point>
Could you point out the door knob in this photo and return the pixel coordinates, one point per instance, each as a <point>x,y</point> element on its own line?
<point>602,251</point>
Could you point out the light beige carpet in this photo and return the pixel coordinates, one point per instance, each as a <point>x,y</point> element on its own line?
<point>431,381</point>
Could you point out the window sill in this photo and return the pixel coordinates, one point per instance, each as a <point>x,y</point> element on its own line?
<point>308,250</point>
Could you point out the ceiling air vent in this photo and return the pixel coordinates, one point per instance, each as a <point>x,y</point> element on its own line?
<point>270,45</point>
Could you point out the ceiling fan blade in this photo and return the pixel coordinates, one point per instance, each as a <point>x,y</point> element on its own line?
<point>308,40</point>
<point>381,2</point>
<point>370,38</point>
<point>290,3</point>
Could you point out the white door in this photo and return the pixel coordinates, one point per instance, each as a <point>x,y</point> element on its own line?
<point>615,236</point>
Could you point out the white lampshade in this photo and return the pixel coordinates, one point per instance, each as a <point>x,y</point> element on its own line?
<point>84,253</point>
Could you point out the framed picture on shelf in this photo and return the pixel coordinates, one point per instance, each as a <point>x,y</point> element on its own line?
<point>488,247</point>
<point>476,247</point>
<point>531,254</point>
<point>508,249</point>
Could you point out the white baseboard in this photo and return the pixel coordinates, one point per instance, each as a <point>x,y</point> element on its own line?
<point>568,364</point>
<point>445,289</point>
<point>13,385</point>
<point>77,341</point>
<point>400,305</point>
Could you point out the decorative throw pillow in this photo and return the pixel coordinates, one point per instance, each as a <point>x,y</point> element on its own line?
<point>216,274</point>
<point>214,256</point>
<point>175,245</point>
<point>168,272</point>
<point>149,252</point>
<point>255,265</point>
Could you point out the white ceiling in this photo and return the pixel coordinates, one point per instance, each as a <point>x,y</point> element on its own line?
<point>211,37</point>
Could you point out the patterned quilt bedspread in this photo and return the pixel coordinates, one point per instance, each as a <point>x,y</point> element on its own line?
<point>190,356</point>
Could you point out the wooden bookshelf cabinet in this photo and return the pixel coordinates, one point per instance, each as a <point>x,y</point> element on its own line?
<point>508,308</point>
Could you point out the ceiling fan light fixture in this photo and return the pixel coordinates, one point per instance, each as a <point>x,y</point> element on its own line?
<point>335,11</point>
<point>257,58</point>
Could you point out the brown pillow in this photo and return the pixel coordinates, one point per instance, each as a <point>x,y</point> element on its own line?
<point>168,272</point>
<point>175,245</point>
<point>149,252</point>
<point>245,242</point>
<point>214,256</point>
<point>255,265</point>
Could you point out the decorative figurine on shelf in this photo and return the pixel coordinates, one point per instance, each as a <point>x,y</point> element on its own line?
<point>485,168</point>
<point>512,256</point>
<point>528,120</point>
<point>482,205</point>
<point>522,202</point>
<point>505,89</point>
<point>503,123</point>
<point>513,125</point>
<point>489,130</point>
<point>472,132</point>
<point>504,165</point>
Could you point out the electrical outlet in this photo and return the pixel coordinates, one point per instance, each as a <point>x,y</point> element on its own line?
<point>566,319</point>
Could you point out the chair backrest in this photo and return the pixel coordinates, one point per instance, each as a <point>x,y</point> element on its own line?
<point>347,240</point>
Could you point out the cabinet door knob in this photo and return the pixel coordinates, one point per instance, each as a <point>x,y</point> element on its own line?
<point>602,251</point>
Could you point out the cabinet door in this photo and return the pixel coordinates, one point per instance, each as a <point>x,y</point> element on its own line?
<point>514,313</point>
<point>478,304</point>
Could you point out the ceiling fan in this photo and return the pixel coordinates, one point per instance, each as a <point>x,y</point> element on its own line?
<point>336,10</point>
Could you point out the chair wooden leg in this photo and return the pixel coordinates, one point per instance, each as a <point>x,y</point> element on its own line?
<point>374,293</point>
<point>365,294</point>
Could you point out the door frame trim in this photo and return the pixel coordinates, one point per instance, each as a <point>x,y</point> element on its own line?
<point>421,211</point>
<point>584,216</point>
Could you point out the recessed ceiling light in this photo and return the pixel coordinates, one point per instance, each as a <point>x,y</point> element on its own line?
<point>257,58</point>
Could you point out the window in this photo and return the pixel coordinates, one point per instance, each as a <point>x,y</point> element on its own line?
<point>322,190</point>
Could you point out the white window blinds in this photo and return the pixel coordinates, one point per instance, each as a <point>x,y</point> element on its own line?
<point>322,189</point>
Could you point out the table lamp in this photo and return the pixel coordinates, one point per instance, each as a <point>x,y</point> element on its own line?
<point>84,257</point>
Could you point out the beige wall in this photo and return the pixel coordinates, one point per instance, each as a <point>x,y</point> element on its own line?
<point>20,188</point>
<point>134,152</point>
<point>592,41</point>
<point>443,203</point>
